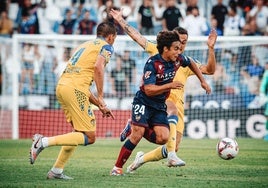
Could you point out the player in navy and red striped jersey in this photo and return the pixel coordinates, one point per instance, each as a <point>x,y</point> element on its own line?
<point>175,101</point>
<point>149,111</point>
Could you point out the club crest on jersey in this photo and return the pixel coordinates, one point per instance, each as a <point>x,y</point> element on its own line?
<point>147,74</point>
<point>137,117</point>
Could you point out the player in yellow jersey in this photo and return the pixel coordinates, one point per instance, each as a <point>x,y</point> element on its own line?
<point>175,102</point>
<point>86,65</point>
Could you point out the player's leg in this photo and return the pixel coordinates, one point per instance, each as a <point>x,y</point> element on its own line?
<point>159,135</point>
<point>161,151</point>
<point>138,129</point>
<point>56,171</point>
<point>126,131</point>
<point>126,149</point>
<point>175,160</point>
<point>77,110</point>
<point>178,140</point>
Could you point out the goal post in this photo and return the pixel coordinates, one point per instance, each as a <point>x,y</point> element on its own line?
<point>28,102</point>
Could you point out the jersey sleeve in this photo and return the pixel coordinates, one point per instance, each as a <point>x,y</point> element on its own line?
<point>149,76</point>
<point>107,51</point>
<point>151,48</point>
<point>184,60</point>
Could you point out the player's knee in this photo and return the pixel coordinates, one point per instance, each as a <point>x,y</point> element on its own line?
<point>162,139</point>
<point>89,138</point>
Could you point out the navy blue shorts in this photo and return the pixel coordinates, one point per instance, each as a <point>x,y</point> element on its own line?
<point>148,117</point>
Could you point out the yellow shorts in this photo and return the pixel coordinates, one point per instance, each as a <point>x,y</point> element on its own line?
<point>77,108</point>
<point>180,106</point>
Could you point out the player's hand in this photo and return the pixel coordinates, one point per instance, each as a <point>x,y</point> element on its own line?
<point>106,112</point>
<point>212,38</point>
<point>206,87</point>
<point>117,15</point>
<point>176,85</point>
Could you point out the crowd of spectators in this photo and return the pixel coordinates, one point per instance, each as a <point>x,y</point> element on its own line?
<point>235,74</point>
<point>230,17</point>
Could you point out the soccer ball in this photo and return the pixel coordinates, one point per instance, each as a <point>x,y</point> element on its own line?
<point>227,148</point>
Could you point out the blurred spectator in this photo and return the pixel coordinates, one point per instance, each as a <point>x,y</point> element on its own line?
<point>128,7</point>
<point>213,25</point>
<point>104,11</point>
<point>230,63</point>
<point>27,69</point>
<point>27,19</point>
<point>260,14</point>
<point>195,24</point>
<point>219,79</point>
<point>44,23</point>
<point>145,18</point>
<point>233,23</point>
<point>129,66</point>
<point>219,11</point>
<point>53,15</point>
<point>249,28</point>
<point>159,8</point>
<point>171,16</point>
<point>243,5</point>
<point>104,15</point>
<point>68,23</point>
<point>27,24</point>
<point>63,62</point>
<point>79,10</point>
<point>37,61</point>
<point>119,79</point>
<point>6,25</point>
<point>86,26</point>
<point>47,78</point>
<point>4,5</point>
<point>251,76</point>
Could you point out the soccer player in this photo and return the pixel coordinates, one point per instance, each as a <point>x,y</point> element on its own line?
<point>264,98</point>
<point>86,65</point>
<point>175,100</point>
<point>149,116</point>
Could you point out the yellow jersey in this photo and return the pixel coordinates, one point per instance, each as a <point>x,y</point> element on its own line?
<point>79,72</point>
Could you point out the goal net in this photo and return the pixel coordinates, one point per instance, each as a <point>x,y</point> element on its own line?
<point>32,64</point>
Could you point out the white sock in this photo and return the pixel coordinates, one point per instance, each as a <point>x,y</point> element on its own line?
<point>45,142</point>
<point>171,154</point>
<point>57,170</point>
<point>141,159</point>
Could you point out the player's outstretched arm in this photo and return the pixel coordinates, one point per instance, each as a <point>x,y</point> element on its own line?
<point>131,31</point>
<point>210,67</point>
<point>198,73</point>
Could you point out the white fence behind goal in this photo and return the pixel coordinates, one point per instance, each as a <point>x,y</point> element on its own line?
<point>31,65</point>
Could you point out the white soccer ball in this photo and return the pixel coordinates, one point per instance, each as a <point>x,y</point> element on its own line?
<point>227,148</point>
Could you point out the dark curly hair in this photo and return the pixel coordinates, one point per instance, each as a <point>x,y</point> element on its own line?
<point>165,39</point>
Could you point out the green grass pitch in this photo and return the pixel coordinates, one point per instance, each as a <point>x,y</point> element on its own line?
<point>90,166</point>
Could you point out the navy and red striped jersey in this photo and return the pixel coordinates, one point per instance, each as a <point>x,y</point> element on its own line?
<point>157,71</point>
